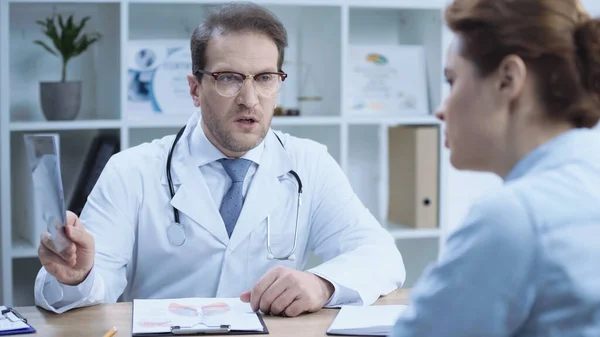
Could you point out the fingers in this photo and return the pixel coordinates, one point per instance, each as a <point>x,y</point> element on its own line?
<point>296,308</point>
<point>245,297</point>
<point>78,234</point>
<point>72,219</point>
<point>52,261</point>
<point>276,290</point>
<point>284,301</point>
<point>260,287</point>
<point>47,248</point>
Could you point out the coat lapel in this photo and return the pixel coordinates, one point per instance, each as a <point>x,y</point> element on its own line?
<point>265,193</point>
<point>192,197</point>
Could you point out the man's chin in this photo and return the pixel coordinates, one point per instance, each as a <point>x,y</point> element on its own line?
<point>246,140</point>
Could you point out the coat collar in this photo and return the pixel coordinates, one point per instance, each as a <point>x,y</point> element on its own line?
<point>194,200</point>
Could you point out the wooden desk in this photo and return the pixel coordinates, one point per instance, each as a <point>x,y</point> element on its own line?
<point>95,321</point>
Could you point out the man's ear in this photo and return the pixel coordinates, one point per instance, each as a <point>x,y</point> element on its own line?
<point>194,89</point>
<point>512,76</point>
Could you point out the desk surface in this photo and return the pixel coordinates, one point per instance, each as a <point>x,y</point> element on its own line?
<point>95,321</point>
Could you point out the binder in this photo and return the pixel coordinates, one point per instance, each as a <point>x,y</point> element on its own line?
<point>13,323</point>
<point>184,317</point>
<point>413,176</point>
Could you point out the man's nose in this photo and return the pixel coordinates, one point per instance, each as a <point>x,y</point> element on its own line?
<point>248,95</point>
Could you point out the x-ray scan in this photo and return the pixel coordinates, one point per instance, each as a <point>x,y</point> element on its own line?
<point>48,196</point>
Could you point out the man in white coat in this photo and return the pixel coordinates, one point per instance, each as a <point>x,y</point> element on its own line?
<point>234,188</point>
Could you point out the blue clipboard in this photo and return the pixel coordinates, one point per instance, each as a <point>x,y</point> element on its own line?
<point>5,313</point>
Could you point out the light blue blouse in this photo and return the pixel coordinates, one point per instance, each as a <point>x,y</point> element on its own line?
<point>526,261</point>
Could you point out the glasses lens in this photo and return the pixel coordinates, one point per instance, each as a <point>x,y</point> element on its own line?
<point>268,84</point>
<point>229,84</point>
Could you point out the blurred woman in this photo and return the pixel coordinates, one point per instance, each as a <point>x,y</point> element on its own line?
<point>525,95</point>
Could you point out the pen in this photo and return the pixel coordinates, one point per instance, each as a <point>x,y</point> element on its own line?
<point>111,332</point>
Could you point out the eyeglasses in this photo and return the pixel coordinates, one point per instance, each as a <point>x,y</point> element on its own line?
<point>230,83</point>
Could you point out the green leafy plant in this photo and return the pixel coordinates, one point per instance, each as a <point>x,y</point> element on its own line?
<point>67,38</point>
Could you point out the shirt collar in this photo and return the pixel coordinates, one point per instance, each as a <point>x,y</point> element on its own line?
<point>204,152</point>
<point>567,146</point>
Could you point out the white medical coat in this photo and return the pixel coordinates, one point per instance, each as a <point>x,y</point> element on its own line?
<point>130,208</point>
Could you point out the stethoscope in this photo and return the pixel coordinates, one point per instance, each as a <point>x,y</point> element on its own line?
<point>176,232</point>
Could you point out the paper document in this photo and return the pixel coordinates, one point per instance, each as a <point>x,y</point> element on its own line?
<point>376,320</point>
<point>160,315</point>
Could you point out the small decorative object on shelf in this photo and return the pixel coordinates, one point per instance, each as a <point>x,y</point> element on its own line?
<point>62,100</point>
<point>157,82</point>
<point>309,89</point>
<point>387,80</point>
<point>278,111</point>
<point>282,111</point>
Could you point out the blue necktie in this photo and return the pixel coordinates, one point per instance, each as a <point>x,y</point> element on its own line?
<point>231,206</point>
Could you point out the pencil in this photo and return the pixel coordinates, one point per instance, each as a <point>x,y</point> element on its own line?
<point>111,332</point>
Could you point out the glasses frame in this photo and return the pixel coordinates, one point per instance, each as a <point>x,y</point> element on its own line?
<point>215,75</point>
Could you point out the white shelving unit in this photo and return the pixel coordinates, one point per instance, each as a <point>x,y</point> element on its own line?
<point>327,28</point>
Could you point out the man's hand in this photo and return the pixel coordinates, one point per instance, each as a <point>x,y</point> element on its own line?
<point>290,292</point>
<point>73,265</point>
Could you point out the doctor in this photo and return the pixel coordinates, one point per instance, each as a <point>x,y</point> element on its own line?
<point>215,211</point>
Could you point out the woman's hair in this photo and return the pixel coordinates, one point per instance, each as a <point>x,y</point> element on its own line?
<point>558,41</point>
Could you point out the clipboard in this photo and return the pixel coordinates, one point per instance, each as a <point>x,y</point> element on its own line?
<point>11,317</point>
<point>200,327</point>
<point>206,331</point>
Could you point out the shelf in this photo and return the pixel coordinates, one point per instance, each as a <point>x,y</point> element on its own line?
<point>328,135</point>
<point>417,25</point>
<point>98,68</point>
<point>308,120</point>
<point>394,121</point>
<point>320,33</point>
<point>22,248</point>
<point>61,1</point>
<point>397,4</point>
<point>364,165</point>
<point>312,31</point>
<point>260,2</point>
<point>25,271</point>
<point>404,232</point>
<point>65,125</point>
<point>417,253</point>
<point>167,121</point>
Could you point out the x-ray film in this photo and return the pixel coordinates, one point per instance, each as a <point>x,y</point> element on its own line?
<point>48,195</point>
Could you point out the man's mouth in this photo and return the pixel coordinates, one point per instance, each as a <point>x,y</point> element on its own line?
<point>247,120</point>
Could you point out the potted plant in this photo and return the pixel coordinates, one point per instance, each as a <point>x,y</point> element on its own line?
<point>62,100</point>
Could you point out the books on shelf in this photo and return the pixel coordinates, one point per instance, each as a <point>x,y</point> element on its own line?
<point>387,81</point>
<point>157,77</point>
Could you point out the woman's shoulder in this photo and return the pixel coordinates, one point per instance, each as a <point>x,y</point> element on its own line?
<point>501,217</point>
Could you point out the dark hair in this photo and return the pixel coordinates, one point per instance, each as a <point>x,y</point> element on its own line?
<point>232,18</point>
<point>558,41</point>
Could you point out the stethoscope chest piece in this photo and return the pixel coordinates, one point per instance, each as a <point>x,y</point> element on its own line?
<point>176,234</point>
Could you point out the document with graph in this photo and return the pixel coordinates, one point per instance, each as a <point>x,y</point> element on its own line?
<point>156,317</point>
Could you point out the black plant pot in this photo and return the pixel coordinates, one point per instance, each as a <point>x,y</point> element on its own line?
<point>60,100</point>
